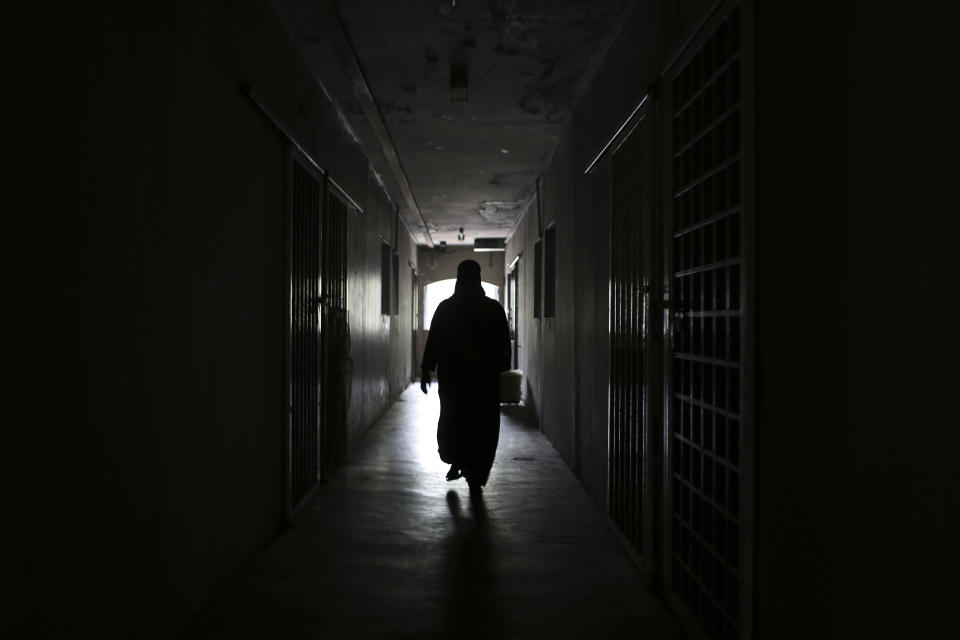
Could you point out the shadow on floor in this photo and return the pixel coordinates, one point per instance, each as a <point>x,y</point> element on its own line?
<point>522,414</point>
<point>390,549</point>
<point>469,569</point>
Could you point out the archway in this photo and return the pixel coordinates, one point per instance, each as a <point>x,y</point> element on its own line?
<point>436,292</point>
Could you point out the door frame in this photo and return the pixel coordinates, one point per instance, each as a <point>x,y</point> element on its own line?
<point>414,320</point>
<point>294,155</point>
<point>513,304</point>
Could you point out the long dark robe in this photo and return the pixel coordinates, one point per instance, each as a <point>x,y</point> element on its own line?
<point>469,343</point>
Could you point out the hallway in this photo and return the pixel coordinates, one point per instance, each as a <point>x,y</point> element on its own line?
<point>724,235</point>
<point>387,548</point>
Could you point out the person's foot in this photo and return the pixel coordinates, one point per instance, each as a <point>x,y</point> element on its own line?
<point>472,482</point>
<point>453,474</point>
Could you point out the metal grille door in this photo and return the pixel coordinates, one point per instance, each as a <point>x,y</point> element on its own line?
<point>335,336</point>
<point>627,405</point>
<point>707,283</point>
<point>303,366</point>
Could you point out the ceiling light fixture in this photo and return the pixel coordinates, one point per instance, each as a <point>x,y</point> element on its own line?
<point>481,245</point>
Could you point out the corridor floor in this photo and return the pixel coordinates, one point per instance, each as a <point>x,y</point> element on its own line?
<point>389,549</point>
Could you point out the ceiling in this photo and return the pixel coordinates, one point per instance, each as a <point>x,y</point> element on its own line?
<point>464,163</point>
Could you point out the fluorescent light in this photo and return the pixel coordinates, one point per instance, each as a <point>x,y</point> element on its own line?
<point>489,244</point>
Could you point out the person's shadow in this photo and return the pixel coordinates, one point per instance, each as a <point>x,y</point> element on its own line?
<point>469,572</point>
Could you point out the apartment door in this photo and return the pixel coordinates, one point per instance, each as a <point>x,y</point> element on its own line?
<point>337,365</point>
<point>708,431</point>
<point>303,350</point>
<point>633,454</point>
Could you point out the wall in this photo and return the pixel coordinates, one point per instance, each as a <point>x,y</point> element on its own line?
<point>143,236</point>
<point>573,348</point>
<point>856,355</point>
<point>84,233</point>
<point>439,265</point>
<point>376,380</point>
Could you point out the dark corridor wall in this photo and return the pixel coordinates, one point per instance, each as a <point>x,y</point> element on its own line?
<point>856,341</point>
<point>143,254</point>
<point>570,390</point>
<point>858,348</point>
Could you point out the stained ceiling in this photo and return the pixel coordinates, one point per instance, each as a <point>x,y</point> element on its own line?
<point>458,103</point>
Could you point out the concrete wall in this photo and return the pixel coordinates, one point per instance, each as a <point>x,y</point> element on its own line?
<point>439,265</point>
<point>857,346</point>
<point>376,380</point>
<point>570,391</point>
<point>143,233</point>
<point>559,373</point>
<point>856,352</point>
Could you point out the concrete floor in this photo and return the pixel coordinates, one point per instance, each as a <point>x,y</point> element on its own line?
<point>389,549</point>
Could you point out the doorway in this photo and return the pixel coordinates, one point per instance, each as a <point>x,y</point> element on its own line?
<point>337,365</point>
<point>632,459</point>
<point>303,375</point>
<point>436,292</point>
<point>414,326</point>
<point>512,314</point>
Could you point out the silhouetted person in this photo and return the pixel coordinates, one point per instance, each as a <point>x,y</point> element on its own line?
<point>469,342</point>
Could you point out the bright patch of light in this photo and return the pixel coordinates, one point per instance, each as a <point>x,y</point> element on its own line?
<point>436,292</point>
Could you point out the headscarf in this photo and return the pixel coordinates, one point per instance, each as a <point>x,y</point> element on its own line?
<point>468,280</point>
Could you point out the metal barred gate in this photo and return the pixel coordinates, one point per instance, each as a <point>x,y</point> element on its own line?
<point>708,533</point>
<point>318,334</point>
<point>629,286</point>
<point>304,196</point>
<point>336,365</point>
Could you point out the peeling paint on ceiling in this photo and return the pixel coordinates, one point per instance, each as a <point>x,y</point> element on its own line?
<point>472,163</point>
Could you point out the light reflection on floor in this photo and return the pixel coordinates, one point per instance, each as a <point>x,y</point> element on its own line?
<point>424,447</point>
<point>388,548</point>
